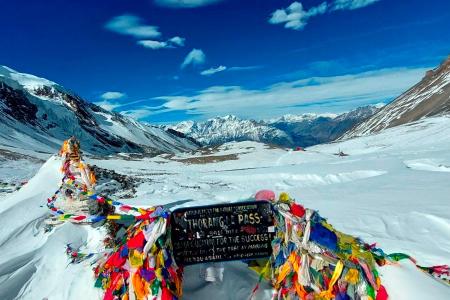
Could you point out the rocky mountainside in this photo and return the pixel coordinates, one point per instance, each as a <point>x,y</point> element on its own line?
<point>429,97</point>
<point>310,129</point>
<point>286,131</point>
<point>38,114</point>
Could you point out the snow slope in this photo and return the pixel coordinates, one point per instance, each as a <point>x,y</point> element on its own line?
<point>31,261</point>
<point>381,192</point>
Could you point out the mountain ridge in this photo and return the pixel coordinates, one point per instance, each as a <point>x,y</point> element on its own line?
<point>429,97</point>
<point>285,131</point>
<point>38,113</point>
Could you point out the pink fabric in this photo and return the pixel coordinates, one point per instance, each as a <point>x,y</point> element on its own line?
<point>265,195</point>
<point>368,274</point>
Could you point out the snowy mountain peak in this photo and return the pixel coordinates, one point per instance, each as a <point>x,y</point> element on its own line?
<point>361,113</point>
<point>229,118</point>
<point>27,81</point>
<point>301,118</point>
<point>228,128</point>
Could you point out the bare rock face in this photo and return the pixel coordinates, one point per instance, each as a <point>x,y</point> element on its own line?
<point>16,105</point>
<point>110,182</point>
<point>429,97</point>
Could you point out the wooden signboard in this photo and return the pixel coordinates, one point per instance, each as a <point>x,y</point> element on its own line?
<point>234,231</point>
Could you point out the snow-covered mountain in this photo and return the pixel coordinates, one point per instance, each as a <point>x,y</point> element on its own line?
<point>220,130</point>
<point>429,97</point>
<point>287,131</point>
<point>311,129</point>
<point>39,114</point>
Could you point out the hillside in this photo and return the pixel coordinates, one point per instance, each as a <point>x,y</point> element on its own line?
<point>429,97</point>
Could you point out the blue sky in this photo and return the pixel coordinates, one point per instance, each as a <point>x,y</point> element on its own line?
<point>171,60</point>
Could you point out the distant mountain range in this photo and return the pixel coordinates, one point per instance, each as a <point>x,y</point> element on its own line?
<point>39,114</point>
<point>429,97</point>
<point>287,131</point>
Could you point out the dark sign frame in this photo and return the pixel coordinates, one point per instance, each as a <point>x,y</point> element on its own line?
<point>223,232</point>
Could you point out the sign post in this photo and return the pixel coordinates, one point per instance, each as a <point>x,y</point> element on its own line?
<point>224,232</point>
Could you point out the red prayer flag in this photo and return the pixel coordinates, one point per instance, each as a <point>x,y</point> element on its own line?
<point>166,294</point>
<point>79,218</point>
<point>115,260</point>
<point>108,295</point>
<point>297,210</point>
<point>125,208</point>
<point>382,293</point>
<point>137,241</point>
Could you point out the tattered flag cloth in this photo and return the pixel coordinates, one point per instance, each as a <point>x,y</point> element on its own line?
<point>77,190</point>
<point>71,201</point>
<point>75,256</point>
<point>82,195</point>
<point>312,260</point>
<point>142,266</point>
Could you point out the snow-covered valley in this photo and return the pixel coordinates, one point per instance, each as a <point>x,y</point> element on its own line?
<point>393,188</point>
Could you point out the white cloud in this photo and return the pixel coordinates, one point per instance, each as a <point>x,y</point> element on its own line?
<point>109,102</point>
<point>318,10</point>
<point>185,3</point>
<point>178,41</point>
<point>212,71</point>
<point>137,114</point>
<point>112,95</point>
<point>153,44</point>
<point>295,16</point>
<point>244,68</point>
<point>196,57</point>
<point>132,25</point>
<point>315,94</point>
<point>108,105</point>
<point>351,4</point>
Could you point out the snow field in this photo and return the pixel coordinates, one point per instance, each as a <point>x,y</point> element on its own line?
<point>380,192</point>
